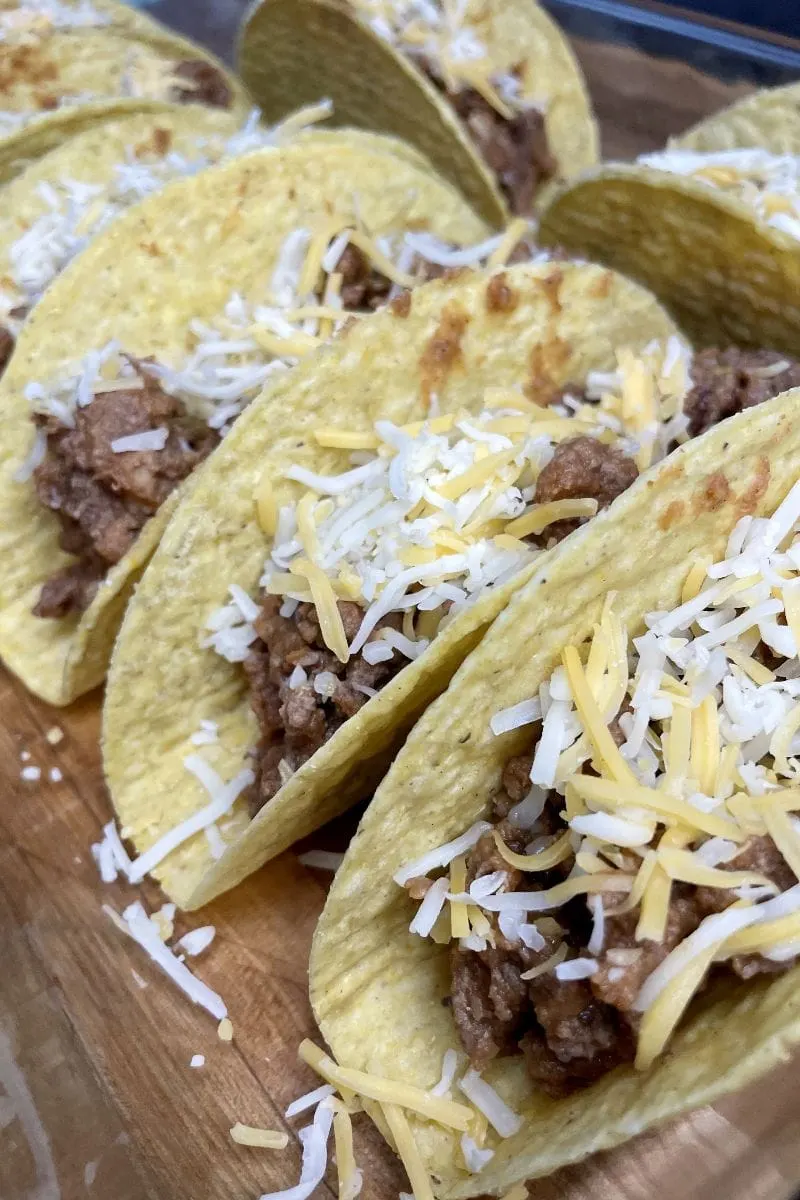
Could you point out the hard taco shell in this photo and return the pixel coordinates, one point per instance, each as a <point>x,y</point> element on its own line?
<point>378,991</point>
<point>726,276</point>
<point>180,254</point>
<point>561,321</point>
<point>293,51</point>
<point>92,62</point>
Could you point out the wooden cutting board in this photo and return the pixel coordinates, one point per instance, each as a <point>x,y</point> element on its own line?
<point>97,1097</point>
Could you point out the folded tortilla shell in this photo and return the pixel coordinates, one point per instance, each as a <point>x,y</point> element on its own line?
<point>180,255</point>
<point>293,51</point>
<point>561,320</point>
<point>377,990</point>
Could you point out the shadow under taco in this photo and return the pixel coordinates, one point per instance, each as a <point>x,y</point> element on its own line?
<point>63,63</point>
<point>711,224</point>
<point>146,348</point>
<point>572,909</point>
<point>352,539</point>
<point>490,92</point>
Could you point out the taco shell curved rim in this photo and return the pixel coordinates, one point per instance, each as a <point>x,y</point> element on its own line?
<point>94,60</point>
<point>187,248</point>
<point>377,991</point>
<point>725,277</point>
<point>769,119</point>
<point>567,318</point>
<point>302,49</point>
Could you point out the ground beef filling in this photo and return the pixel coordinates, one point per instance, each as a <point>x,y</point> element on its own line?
<point>725,382</point>
<point>201,83</point>
<point>103,498</point>
<point>583,468</point>
<point>573,1032</point>
<point>295,721</point>
<point>516,151</point>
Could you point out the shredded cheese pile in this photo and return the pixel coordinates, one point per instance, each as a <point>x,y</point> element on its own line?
<point>37,18</point>
<point>450,37</point>
<point>710,759</point>
<point>75,211</point>
<point>230,359</point>
<point>769,184</point>
<point>432,514</point>
<point>343,1094</point>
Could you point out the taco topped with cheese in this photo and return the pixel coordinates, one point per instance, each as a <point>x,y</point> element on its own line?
<point>60,202</point>
<point>588,901</point>
<point>491,92</point>
<point>56,55</point>
<point>353,537</point>
<point>237,273</point>
<point>711,223</point>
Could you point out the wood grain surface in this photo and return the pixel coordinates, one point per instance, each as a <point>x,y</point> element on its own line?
<point>97,1097</point>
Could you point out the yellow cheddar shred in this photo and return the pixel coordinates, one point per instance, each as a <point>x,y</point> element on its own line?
<point>694,580</point>
<point>540,516</point>
<point>459,915</point>
<point>266,506</point>
<point>265,1139</point>
<point>592,719</point>
<point>348,1175</point>
<point>610,795</point>
<point>705,750</point>
<point>559,851</point>
<point>386,1091</point>
<point>330,620</point>
<point>514,232</point>
<point>684,867</point>
<point>477,475</point>
<point>663,1015</point>
<point>408,1152</point>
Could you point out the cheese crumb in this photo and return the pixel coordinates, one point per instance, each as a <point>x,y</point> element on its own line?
<point>225,1030</point>
<point>55,735</point>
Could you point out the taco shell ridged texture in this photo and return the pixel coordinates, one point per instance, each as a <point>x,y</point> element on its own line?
<point>561,320</point>
<point>176,256</point>
<point>377,990</point>
<point>296,50</point>
<point>725,278</point>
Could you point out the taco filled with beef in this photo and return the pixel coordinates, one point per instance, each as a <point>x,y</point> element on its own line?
<point>61,63</point>
<point>490,92</point>
<point>711,224</point>
<point>573,904</point>
<point>351,540</point>
<point>67,197</point>
<point>139,357</point>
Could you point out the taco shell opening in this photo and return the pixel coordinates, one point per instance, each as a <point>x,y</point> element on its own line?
<point>377,990</point>
<point>565,320</point>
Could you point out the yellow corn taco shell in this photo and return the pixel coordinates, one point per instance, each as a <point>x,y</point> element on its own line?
<point>770,119</point>
<point>559,322</point>
<point>175,258</point>
<point>105,53</point>
<point>61,200</point>
<point>296,50</point>
<point>378,991</point>
<point>722,255</point>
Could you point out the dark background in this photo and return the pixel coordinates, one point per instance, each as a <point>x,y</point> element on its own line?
<point>781,15</point>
